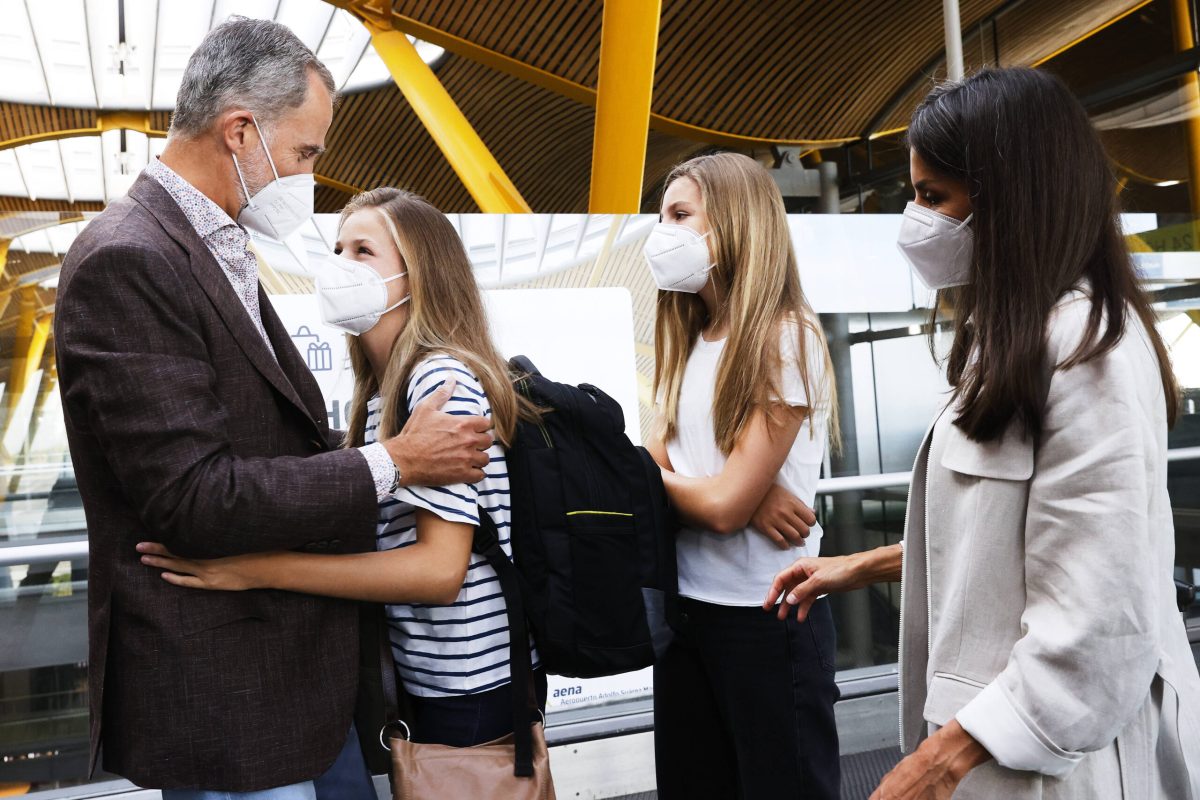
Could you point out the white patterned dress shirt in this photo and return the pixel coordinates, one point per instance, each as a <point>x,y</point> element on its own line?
<point>229,244</point>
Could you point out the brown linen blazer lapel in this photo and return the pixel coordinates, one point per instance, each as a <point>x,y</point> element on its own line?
<point>215,283</point>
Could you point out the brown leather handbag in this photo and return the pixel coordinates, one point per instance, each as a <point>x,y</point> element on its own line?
<point>515,767</point>
<point>482,772</point>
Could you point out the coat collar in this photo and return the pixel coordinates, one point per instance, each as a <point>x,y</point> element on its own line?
<point>212,279</point>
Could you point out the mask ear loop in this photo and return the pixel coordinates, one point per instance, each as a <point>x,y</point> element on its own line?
<point>271,161</point>
<point>266,149</point>
<point>402,300</point>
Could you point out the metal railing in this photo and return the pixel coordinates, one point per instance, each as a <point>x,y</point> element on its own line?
<point>77,549</point>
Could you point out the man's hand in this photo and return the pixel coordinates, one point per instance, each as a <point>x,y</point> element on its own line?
<point>437,449</point>
<point>782,518</point>
<point>934,771</point>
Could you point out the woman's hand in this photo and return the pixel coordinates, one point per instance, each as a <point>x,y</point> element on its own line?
<point>783,518</point>
<point>934,771</point>
<point>233,574</point>
<point>808,578</point>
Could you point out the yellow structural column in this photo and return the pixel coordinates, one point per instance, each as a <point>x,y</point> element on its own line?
<point>450,129</point>
<point>1181,15</point>
<point>28,347</point>
<point>628,48</point>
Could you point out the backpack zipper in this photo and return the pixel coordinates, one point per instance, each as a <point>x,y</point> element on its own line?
<point>600,513</point>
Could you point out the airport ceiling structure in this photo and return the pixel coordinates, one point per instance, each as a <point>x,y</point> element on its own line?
<point>523,73</point>
<point>500,105</point>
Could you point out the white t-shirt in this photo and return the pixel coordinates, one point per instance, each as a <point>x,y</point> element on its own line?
<point>736,569</point>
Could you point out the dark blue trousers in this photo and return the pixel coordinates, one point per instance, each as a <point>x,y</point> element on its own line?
<point>743,706</point>
<point>471,719</point>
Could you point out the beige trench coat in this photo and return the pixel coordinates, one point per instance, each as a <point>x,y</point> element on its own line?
<point>1038,605</point>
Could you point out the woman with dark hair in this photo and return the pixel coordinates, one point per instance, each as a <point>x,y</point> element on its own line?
<point>1041,652</point>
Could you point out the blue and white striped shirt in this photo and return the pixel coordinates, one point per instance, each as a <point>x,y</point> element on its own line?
<point>461,648</point>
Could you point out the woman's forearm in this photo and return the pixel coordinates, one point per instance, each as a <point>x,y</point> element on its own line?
<point>704,503</point>
<point>414,574</point>
<point>725,502</point>
<point>881,565</point>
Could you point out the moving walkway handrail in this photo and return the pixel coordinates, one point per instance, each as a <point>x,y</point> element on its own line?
<point>77,549</point>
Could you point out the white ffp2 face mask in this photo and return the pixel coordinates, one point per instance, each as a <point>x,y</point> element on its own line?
<point>938,247</point>
<point>282,206</point>
<point>352,296</point>
<point>678,257</point>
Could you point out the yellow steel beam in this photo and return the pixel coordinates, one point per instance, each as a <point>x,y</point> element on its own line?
<point>28,346</point>
<point>25,368</point>
<point>41,224</point>
<point>1092,32</point>
<point>373,14</point>
<point>1181,16</point>
<point>380,12</point>
<point>108,121</point>
<point>645,390</point>
<point>605,250</point>
<point>4,245</point>
<point>1039,62</point>
<point>325,180</point>
<point>45,390</point>
<point>450,129</point>
<point>628,48</point>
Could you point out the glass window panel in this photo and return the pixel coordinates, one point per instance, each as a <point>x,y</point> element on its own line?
<point>308,19</point>
<point>343,46</point>
<point>24,81</point>
<point>60,32</point>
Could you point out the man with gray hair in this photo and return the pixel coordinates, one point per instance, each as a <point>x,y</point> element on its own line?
<point>193,422</point>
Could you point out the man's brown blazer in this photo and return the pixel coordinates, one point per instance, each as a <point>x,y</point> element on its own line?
<point>185,430</point>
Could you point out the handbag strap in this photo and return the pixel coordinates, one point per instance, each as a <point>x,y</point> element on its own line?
<point>487,544</point>
<point>387,670</point>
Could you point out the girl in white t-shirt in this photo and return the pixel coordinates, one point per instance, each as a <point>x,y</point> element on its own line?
<point>743,700</point>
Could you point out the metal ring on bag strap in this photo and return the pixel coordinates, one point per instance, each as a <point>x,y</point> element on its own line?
<point>407,733</point>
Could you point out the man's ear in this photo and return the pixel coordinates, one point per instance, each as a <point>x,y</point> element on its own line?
<point>237,130</point>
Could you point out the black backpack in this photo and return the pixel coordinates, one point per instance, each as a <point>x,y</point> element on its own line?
<point>593,535</point>
<point>593,541</point>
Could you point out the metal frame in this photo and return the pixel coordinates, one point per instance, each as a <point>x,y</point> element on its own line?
<point>76,549</point>
<point>628,49</point>
<point>382,13</point>
<point>453,133</point>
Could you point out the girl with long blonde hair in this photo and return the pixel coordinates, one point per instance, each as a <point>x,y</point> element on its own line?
<point>447,616</point>
<point>743,701</point>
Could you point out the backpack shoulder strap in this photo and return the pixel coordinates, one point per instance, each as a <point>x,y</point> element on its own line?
<point>487,544</point>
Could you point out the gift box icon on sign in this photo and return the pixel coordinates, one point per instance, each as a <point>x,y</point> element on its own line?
<point>317,354</point>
